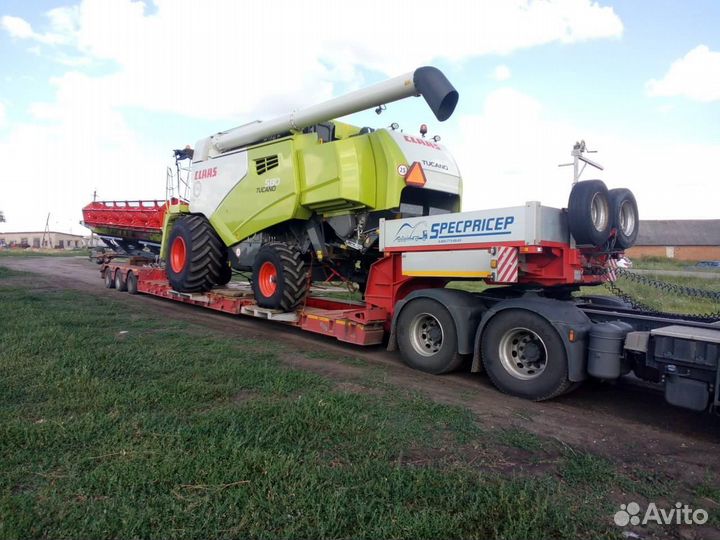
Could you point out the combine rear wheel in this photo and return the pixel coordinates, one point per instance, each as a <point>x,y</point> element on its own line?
<point>280,278</point>
<point>196,255</point>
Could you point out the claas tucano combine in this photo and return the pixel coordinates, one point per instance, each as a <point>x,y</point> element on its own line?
<point>305,190</point>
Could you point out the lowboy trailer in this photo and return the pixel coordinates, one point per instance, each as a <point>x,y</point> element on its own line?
<point>527,330</point>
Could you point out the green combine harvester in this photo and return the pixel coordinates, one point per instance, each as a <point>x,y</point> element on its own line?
<point>299,198</point>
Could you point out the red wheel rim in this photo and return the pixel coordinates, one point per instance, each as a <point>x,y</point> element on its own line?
<point>178,255</point>
<point>267,279</point>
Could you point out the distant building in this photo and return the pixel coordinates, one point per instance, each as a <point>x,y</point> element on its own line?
<point>35,240</point>
<point>683,239</point>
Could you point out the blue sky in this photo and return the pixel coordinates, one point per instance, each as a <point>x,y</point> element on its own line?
<point>95,94</point>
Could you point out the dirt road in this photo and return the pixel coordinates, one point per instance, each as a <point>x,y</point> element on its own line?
<point>621,421</point>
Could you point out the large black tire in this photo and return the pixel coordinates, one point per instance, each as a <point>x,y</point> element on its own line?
<point>109,278</point>
<point>589,213</point>
<point>120,283</point>
<point>427,337</point>
<point>624,217</point>
<point>195,255</point>
<point>280,276</point>
<point>524,355</point>
<point>132,283</point>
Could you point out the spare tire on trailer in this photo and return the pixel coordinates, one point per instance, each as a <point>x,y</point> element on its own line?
<point>280,276</point>
<point>624,217</point>
<point>589,213</point>
<point>196,255</point>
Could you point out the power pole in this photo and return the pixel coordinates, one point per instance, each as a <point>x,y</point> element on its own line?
<point>46,232</point>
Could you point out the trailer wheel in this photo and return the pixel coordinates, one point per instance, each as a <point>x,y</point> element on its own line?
<point>120,283</point>
<point>524,355</point>
<point>427,337</point>
<point>109,278</point>
<point>280,278</point>
<point>196,255</point>
<point>589,213</point>
<point>132,283</point>
<point>625,217</point>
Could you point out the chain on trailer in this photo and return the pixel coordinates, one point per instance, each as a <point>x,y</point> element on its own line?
<point>667,288</point>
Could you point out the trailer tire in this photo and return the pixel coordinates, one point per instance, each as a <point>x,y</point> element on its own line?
<point>280,276</point>
<point>109,278</point>
<point>524,355</point>
<point>427,337</point>
<point>132,283</point>
<point>196,255</point>
<point>589,213</point>
<point>624,217</point>
<point>120,283</point>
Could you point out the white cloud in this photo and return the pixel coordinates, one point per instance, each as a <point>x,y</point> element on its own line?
<point>19,28</point>
<point>231,61</point>
<point>501,73</point>
<point>198,62</point>
<point>696,76</point>
<point>510,153</point>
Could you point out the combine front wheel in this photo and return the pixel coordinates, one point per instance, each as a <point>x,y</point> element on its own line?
<point>196,255</point>
<point>279,276</point>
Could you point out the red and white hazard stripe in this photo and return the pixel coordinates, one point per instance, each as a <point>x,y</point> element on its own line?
<point>611,270</point>
<point>507,265</point>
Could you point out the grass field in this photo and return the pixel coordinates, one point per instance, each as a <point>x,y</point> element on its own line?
<point>17,252</point>
<point>120,424</point>
<point>663,263</point>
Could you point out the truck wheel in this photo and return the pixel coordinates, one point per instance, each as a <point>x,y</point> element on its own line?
<point>280,278</point>
<point>196,255</point>
<point>109,278</point>
<point>589,213</point>
<point>132,283</point>
<point>427,337</point>
<point>625,218</point>
<point>120,284</point>
<point>524,355</point>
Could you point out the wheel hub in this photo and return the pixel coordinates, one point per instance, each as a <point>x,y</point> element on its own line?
<point>267,279</point>
<point>599,212</point>
<point>426,334</point>
<point>523,353</point>
<point>178,255</point>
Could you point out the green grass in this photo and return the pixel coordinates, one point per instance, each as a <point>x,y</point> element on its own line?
<point>663,300</point>
<point>16,252</point>
<point>663,263</point>
<point>115,423</point>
